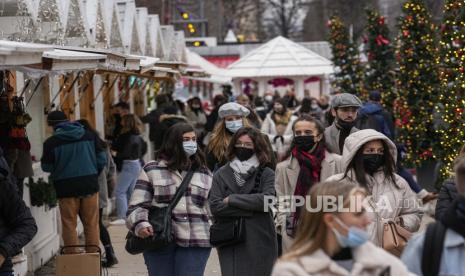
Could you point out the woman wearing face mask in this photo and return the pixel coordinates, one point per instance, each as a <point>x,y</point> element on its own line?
<point>232,118</point>
<point>240,189</point>
<point>308,164</point>
<point>196,116</point>
<point>368,161</point>
<point>334,241</point>
<point>277,126</point>
<point>156,186</point>
<point>310,106</point>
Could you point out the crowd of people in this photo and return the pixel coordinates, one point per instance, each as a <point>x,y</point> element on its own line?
<point>237,155</point>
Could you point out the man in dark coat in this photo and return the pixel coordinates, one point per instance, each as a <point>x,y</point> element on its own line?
<point>373,115</point>
<point>17,226</point>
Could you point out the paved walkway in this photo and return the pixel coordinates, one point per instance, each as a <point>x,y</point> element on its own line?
<point>130,265</point>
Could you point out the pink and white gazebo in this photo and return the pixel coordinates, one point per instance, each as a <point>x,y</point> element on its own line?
<point>281,58</point>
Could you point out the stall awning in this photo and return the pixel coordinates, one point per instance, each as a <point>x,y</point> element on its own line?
<point>14,53</point>
<point>71,60</point>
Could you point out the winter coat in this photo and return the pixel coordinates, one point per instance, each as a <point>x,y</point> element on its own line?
<point>196,119</point>
<point>392,200</point>
<point>5,170</point>
<point>287,173</point>
<point>166,121</point>
<point>157,186</point>
<point>69,148</point>
<point>258,253</point>
<point>332,134</point>
<point>269,128</point>
<point>373,116</point>
<point>17,226</point>
<point>368,259</point>
<point>107,173</point>
<point>129,146</point>
<point>447,195</point>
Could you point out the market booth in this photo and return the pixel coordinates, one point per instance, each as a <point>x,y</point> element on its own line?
<point>281,65</point>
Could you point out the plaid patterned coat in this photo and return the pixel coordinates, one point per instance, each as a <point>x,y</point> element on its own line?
<point>190,218</point>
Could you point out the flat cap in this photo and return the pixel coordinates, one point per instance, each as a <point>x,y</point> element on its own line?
<point>233,109</point>
<point>346,100</point>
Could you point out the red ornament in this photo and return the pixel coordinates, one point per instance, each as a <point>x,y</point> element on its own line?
<point>380,40</point>
<point>406,33</point>
<point>329,23</point>
<point>381,20</point>
<point>409,17</point>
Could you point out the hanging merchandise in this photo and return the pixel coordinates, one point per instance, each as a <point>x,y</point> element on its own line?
<point>18,123</point>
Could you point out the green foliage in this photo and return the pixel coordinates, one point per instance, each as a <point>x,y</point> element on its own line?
<point>42,193</point>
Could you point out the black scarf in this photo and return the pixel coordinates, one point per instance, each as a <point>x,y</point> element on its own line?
<point>454,218</point>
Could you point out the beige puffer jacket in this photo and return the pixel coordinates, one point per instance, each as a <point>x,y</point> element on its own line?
<point>392,200</point>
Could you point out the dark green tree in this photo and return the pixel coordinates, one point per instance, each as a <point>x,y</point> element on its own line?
<point>379,70</point>
<point>348,72</point>
<point>417,82</point>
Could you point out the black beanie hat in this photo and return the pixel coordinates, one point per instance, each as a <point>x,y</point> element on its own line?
<point>56,117</point>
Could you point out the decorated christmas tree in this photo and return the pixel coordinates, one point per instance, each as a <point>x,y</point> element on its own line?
<point>417,82</point>
<point>348,72</point>
<point>452,99</point>
<point>379,70</point>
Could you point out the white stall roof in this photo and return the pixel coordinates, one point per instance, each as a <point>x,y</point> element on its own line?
<point>280,57</point>
<point>20,53</point>
<point>217,75</point>
<point>59,59</point>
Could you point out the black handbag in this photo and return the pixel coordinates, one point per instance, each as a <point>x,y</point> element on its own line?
<point>160,219</point>
<point>231,231</point>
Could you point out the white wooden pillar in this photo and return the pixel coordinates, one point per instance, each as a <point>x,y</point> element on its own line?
<point>237,88</point>
<point>77,102</point>
<point>262,82</point>
<point>54,89</point>
<point>98,104</point>
<point>299,88</point>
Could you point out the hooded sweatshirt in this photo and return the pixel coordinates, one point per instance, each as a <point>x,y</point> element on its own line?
<point>74,159</point>
<point>390,200</point>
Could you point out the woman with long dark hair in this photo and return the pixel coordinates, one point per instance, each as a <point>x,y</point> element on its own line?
<point>240,189</point>
<point>156,186</point>
<point>368,160</point>
<point>307,164</point>
<point>130,148</point>
<point>106,178</point>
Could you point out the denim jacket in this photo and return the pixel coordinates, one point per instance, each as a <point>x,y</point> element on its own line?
<point>452,257</point>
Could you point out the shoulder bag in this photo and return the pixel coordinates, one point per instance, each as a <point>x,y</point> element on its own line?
<point>160,219</point>
<point>229,231</point>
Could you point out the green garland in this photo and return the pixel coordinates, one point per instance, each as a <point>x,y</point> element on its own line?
<point>42,193</point>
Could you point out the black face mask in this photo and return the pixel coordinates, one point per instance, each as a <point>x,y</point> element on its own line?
<point>244,153</point>
<point>323,106</point>
<point>372,162</point>
<point>304,143</point>
<point>345,125</point>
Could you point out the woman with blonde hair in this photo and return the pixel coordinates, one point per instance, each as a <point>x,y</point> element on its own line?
<point>333,240</point>
<point>232,117</point>
<point>130,148</point>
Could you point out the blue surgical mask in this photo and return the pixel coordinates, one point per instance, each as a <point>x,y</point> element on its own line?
<point>355,236</point>
<point>234,126</point>
<point>190,147</point>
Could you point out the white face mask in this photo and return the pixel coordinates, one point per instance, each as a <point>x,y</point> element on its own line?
<point>234,126</point>
<point>190,147</point>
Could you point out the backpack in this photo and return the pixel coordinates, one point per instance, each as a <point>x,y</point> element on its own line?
<point>434,242</point>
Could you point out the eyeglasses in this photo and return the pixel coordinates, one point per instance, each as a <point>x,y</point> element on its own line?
<point>244,145</point>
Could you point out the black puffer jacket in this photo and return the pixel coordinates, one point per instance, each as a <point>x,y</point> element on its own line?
<point>129,146</point>
<point>17,226</point>
<point>447,195</point>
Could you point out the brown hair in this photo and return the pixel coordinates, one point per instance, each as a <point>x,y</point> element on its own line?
<point>221,138</point>
<point>131,123</point>
<point>259,142</point>
<point>311,231</point>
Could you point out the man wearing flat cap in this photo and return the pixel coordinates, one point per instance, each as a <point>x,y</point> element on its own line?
<point>344,108</point>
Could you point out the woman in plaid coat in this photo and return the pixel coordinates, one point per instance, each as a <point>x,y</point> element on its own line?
<point>156,186</point>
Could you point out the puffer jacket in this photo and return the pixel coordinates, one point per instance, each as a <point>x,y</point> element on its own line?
<point>368,260</point>
<point>17,226</point>
<point>390,200</point>
<point>447,195</point>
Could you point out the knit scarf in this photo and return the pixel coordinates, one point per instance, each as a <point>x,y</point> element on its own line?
<point>454,218</point>
<point>310,169</point>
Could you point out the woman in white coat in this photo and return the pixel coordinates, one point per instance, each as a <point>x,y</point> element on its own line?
<point>368,160</point>
<point>308,152</point>
<point>278,126</point>
<point>334,241</point>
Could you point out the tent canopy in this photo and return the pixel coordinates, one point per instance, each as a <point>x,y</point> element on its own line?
<point>280,57</point>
